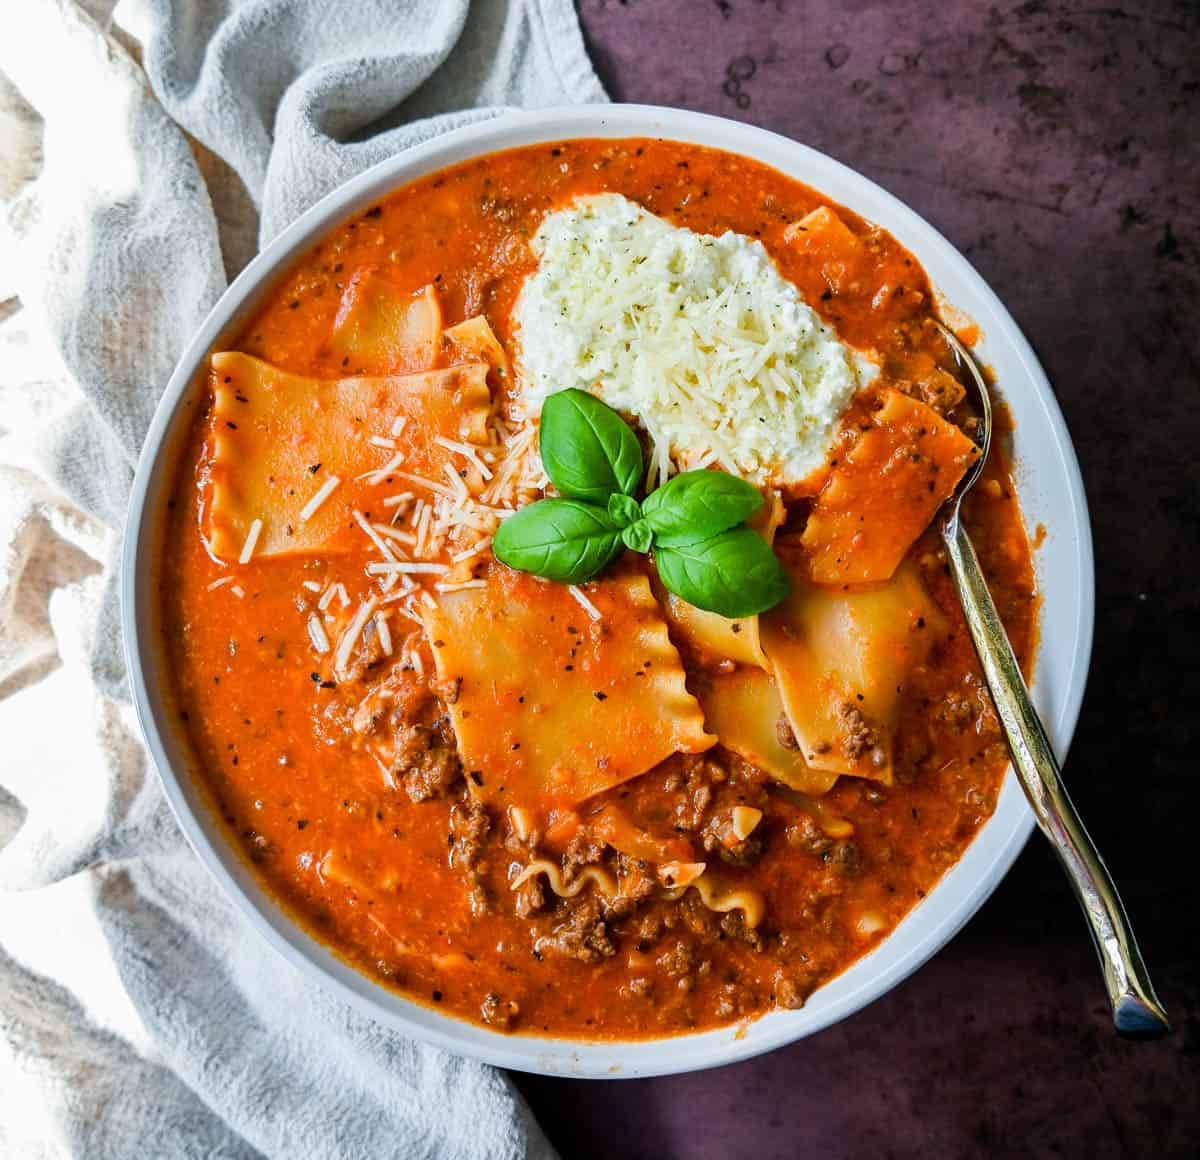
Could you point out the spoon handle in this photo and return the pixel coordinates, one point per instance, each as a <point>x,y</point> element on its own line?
<point>1136,1009</point>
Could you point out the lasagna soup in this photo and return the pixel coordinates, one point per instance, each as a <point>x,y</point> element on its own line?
<point>610,806</point>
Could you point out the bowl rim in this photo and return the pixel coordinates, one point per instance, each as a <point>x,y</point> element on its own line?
<point>204,831</point>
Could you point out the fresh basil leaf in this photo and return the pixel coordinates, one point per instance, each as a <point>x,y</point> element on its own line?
<point>558,539</point>
<point>638,537</point>
<point>734,573</point>
<point>623,510</point>
<point>587,449</point>
<point>696,505</point>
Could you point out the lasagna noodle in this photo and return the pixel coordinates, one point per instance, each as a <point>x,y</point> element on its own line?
<point>380,330</point>
<point>603,881</point>
<point>552,707</point>
<point>738,640</point>
<point>474,341</point>
<point>278,439</point>
<point>841,660</point>
<point>721,898</point>
<point>744,710</point>
<point>883,492</point>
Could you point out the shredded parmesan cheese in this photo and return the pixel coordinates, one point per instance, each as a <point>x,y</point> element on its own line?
<point>251,539</point>
<point>403,566</point>
<point>384,633</point>
<point>380,441</point>
<point>323,493</point>
<point>316,634</point>
<point>349,638</point>
<point>218,583</point>
<point>469,453</point>
<point>379,474</point>
<point>373,535</point>
<point>584,602</point>
<point>391,533</point>
<point>480,546</point>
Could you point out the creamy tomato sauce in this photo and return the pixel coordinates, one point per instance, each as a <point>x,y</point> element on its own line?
<point>395,864</point>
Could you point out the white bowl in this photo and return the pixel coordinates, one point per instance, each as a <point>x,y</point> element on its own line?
<point>1051,495</point>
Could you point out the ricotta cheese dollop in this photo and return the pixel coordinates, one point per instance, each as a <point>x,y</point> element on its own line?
<point>700,337</point>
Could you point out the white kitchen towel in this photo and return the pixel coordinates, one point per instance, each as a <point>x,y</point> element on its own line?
<point>143,153</point>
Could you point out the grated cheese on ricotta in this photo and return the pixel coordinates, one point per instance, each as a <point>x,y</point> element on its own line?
<point>700,337</point>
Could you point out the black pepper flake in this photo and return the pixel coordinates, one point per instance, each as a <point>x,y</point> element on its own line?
<point>374,212</point>
<point>294,304</point>
<point>302,824</point>
<point>313,468</point>
<point>231,424</point>
<point>437,996</point>
<point>329,684</point>
<point>476,776</point>
<point>600,696</point>
<point>569,668</point>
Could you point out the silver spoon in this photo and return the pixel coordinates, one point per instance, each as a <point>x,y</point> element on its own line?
<point>1136,1009</point>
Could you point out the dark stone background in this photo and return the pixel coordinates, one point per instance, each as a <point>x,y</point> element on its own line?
<point>1058,146</point>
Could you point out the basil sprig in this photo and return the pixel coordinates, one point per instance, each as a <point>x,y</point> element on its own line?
<point>588,450</point>
<point>695,523</point>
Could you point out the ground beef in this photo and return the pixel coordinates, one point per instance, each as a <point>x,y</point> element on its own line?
<point>637,885</point>
<point>845,855</point>
<point>859,736</point>
<point>638,988</point>
<point>734,925</point>
<point>693,799</point>
<point>958,711</point>
<point>583,935</point>
<point>530,896</point>
<point>584,849</point>
<point>497,1012</point>
<point>678,959</point>
<point>785,735</point>
<point>646,930</point>
<point>805,835</point>
<point>695,916</point>
<point>469,826</point>
<point>935,388</point>
<point>735,853</point>
<point>792,988</point>
<point>732,1000</point>
<point>426,760</point>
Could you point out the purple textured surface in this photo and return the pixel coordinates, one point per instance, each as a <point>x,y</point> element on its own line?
<point>1058,145</point>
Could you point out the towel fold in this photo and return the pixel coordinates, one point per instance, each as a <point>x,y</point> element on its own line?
<point>145,151</point>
